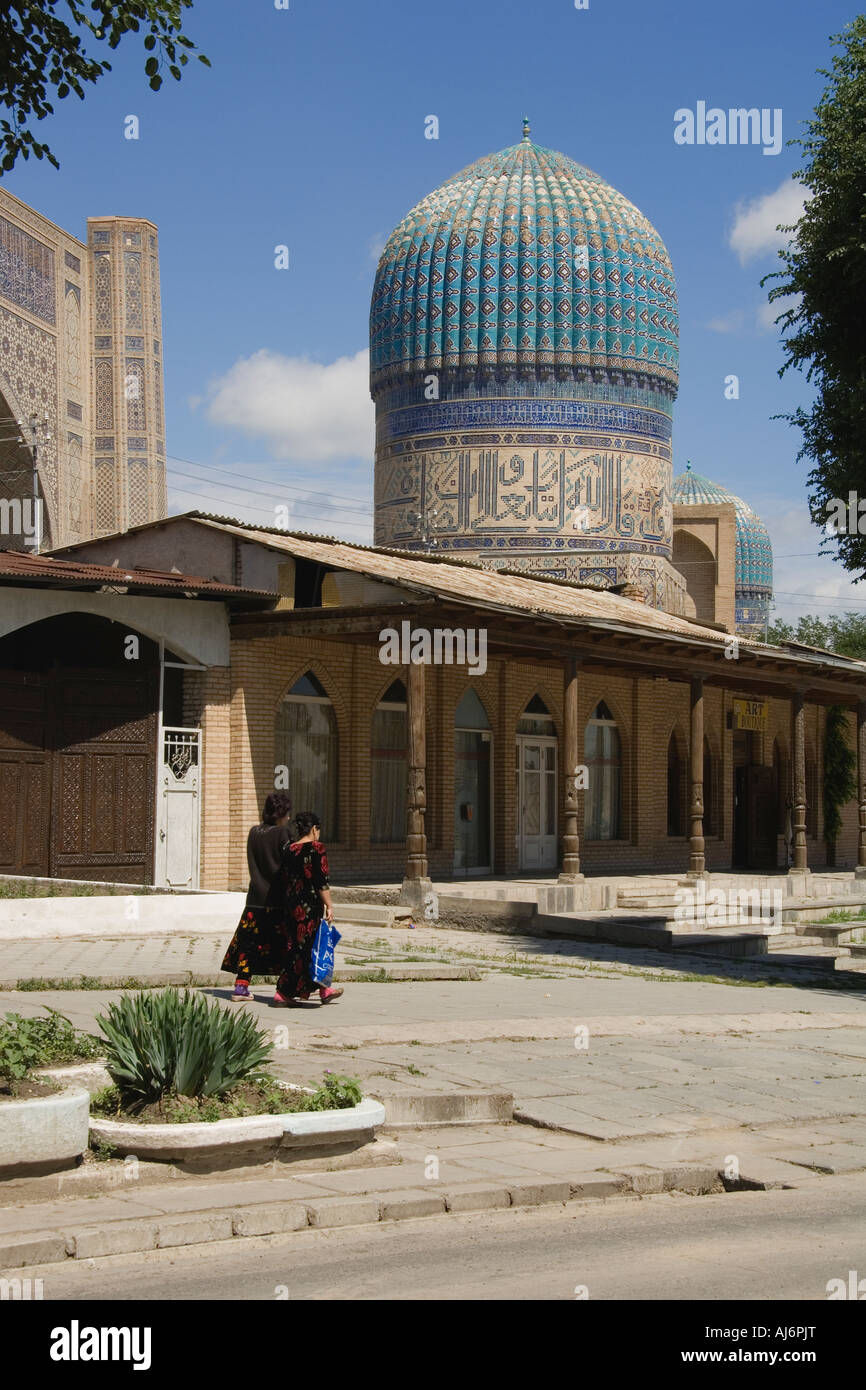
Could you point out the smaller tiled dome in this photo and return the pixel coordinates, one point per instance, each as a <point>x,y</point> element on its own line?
<point>754,557</point>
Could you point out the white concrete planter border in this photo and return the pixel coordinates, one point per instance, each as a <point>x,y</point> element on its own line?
<point>44,1129</point>
<point>257,1132</point>
<point>91,1075</point>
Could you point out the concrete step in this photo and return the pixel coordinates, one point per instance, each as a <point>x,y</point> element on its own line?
<point>644,901</point>
<point>830,932</point>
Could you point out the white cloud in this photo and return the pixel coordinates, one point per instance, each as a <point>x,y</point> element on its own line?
<point>755,223</point>
<point>733,322</point>
<point>375,246</point>
<point>304,410</point>
<point>766,314</point>
<point>804,580</point>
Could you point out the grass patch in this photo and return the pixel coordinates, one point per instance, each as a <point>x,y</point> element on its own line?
<point>841,914</point>
<point>415,1071</point>
<point>263,1095</point>
<point>39,985</point>
<point>26,888</point>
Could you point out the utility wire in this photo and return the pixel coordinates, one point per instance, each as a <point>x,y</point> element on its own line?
<point>285,487</point>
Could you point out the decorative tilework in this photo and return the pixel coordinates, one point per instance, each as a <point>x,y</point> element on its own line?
<point>72,262</point>
<point>72,482</point>
<point>72,316</point>
<point>132,289</point>
<point>532,497</point>
<point>102,288</point>
<point>27,272</point>
<point>137,508</point>
<point>155,325</point>
<point>103,493</point>
<point>136,444</point>
<point>754,553</point>
<point>136,413</point>
<point>573,414</point>
<point>104,445</point>
<point>524,259</point>
<point>102,343</point>
<point>28,360</point>
<point>73,410</point>
<point>134,344</point>
<point>104,375</point>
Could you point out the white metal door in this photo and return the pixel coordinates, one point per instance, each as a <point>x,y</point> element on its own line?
<point>536,801</point>
<point>178,811</point>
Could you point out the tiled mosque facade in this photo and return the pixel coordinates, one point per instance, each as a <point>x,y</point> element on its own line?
<point>524,365</point>
<point>81,354</point>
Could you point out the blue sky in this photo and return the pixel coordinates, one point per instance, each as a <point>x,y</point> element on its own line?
<point>308,131</point>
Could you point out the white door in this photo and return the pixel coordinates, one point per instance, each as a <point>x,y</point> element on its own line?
<point>536,801</point>
<point>178,810</point>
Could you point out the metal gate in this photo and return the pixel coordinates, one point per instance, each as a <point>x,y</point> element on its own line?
<point>179,810</point>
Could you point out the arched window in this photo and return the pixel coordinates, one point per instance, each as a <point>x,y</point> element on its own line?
<point>306,744</point>
<point>676,788</point>
<point>389,768</point>
<point>711,793</point>
<point>536,719</point>
<point>602,754</point>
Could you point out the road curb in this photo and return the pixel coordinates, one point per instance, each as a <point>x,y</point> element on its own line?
<point>204,1227</point>
<point>370,974</point>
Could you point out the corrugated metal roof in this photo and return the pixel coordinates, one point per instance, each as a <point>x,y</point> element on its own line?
<point>464,582</point>
<point>23,566</point>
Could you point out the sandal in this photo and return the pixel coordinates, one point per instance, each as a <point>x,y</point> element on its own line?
<point>327,996</point>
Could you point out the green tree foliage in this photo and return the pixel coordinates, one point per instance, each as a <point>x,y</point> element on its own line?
<point>844,633</point>
<point>825,269</point>
<point>43,56</point>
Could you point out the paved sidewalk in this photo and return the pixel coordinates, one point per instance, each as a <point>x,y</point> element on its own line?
<point>439,1171</point>
<point>187,957</point>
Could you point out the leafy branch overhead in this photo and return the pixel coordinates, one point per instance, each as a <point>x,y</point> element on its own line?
<point>824,271</point>
<point>46,54</point>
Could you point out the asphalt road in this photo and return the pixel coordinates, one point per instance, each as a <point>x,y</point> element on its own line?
<point>741,1246</point>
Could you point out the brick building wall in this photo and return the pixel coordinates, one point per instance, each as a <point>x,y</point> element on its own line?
<point>239,709</point>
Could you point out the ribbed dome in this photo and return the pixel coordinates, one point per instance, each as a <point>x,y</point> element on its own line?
<point>754,558</point>
<point>524,261</point>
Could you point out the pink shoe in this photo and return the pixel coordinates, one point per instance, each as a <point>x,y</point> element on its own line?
<point>328,995</point>
<point>279,1002</point>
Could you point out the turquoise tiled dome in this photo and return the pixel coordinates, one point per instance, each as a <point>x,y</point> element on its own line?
<point>524,262</point>
<point>754,555</point>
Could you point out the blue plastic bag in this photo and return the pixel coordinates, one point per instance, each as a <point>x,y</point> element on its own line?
<point>322,953</point>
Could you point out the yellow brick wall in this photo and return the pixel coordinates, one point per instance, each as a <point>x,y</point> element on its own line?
<point>238,712</point>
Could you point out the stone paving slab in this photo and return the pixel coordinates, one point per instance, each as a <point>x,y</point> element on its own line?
<point>199,953</point>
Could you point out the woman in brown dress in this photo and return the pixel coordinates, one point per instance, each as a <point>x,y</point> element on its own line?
<point>303,876</point>
<point>258,945</point>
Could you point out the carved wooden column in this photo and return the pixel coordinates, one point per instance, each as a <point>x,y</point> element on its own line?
<point>860,871</point>
<point>798,770</point>
<point>416,884</point>
<point>570,872</point>
<point>697,859</point>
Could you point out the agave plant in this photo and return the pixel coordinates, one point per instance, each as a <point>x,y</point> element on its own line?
<point>176,1042</point>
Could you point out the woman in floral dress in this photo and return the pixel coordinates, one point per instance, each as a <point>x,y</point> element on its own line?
<point>258,944</point>
<point>303,877</point>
